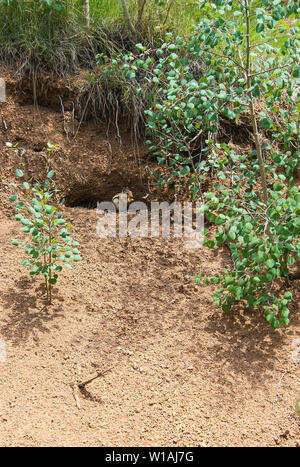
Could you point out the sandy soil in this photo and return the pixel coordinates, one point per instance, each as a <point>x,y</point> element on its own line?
<point>175,370</point>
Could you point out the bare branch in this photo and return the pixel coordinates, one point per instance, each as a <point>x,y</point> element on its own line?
<point>127,17</point>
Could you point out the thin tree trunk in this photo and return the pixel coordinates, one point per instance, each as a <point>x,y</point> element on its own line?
<point>86,10</point>
<point>127,17</point>
<point>252,110</point>
<point>141,6</point>
<point>297,168</point>
<point>297,176</point>
<point>168,11</point>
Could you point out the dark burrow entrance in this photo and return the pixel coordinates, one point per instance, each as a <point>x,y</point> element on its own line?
<point>90,193</point>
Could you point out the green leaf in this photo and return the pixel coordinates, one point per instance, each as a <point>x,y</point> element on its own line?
<point>197,279</point>
<point>288,296</point>
<point>296,72</point>
<point>50,174</point>
<point>20,206</point>
<point>231,235</point>
<point>290,260</point>
<point>34,271</point>
<point>270,263</point>
<point>64,232</point>
<point>25,221</point>
<point>77,258</point>
<point>260,27</point>
<point>277,186</point>
<point>13,198</point>
<point>248,227</point>
<point>226,308</point>
<point>15,242</point>
<point>49,209</point>
<point>259,257</point>
<point>184,170</point>
<point>266,122</point>
<point>209,243</point>
<point>19,173</point>
<point>37,206</point>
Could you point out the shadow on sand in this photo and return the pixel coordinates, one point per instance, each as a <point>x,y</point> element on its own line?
<point>29,312</point>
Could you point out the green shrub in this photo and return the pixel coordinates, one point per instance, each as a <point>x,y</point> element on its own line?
<point>247,57</point>
<point>51,246</point>
<point>263,238</point>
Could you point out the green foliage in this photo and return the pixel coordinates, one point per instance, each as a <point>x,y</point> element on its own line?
<point>263,239</point>
<point>248,54</point>
<point>186,104</point>
<point>53,35</point>
<point>263,236</point>
<point>51,246</point>
<point>46,6</point>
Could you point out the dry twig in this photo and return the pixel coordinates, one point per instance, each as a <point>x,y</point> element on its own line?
<point>63,112</point>
<point>97,375</point>
<point>278,387</point>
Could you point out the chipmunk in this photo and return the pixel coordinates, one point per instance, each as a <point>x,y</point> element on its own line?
<point>124,197</point>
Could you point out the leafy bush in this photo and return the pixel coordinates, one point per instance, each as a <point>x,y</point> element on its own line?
<point>247,64</point>
<point>51,245</point>
<point>263,238</point>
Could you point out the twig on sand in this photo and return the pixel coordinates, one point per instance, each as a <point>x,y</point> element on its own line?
<point>76,387</point>
<point>97,375</point>
<point>63,112</point>
<point>278,387</point>
<point>75,394</point>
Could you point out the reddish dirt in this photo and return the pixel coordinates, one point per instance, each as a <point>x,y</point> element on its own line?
<point>177,371</point>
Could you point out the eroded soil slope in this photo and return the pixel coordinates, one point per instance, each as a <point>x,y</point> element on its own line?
<point>176,370</point>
